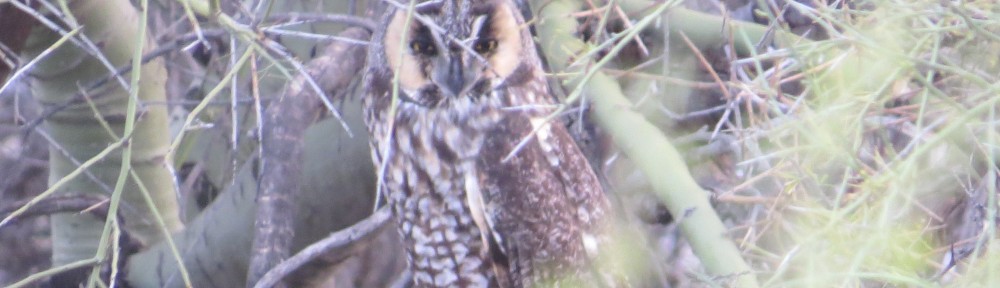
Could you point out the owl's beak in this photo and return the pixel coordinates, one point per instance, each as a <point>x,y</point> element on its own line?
<point>454,77</point>
<point>454,82</point>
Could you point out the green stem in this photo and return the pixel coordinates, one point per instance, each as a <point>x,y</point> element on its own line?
<point>711,31</point>
<point>652,153</point>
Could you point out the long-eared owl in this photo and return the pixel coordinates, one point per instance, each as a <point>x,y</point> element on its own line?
<point>475,208</point>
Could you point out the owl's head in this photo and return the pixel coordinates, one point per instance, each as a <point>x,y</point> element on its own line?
<point>463,47</point>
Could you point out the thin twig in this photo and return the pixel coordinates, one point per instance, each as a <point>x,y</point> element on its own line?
<point>274,32</point>
<point>82,203</point>
<point>340,240</point>
<point>45,53</point>
<point>652,154</point>
<point>156,53</point>
<point>84,42</point>
<point>463,44</point>
<point>279,49</point>
<point>368,24</point>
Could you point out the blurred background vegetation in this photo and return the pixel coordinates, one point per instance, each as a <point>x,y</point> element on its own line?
<point>830,142</point>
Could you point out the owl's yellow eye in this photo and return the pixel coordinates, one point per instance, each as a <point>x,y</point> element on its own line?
<point>422,47</point>
<point>486,46</point>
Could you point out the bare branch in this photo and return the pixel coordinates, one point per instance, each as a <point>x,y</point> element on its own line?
<point>322,17</point>
<point>340,240</point>
<point>285,123</point>
<point>59,204</point>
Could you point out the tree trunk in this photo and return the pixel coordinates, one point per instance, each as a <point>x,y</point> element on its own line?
<point>79,134</point>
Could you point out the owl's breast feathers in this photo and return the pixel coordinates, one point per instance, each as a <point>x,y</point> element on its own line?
<point>471,211</point>
<point>476,209</point>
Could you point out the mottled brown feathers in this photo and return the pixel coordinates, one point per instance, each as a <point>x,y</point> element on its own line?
<point>469,215</point>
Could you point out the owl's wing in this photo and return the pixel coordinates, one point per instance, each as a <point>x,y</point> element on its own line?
<point>542,205</point>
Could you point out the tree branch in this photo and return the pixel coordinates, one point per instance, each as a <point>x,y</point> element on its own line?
<point>82,203</point>
<point>284,125</point>
<point>340,240</point>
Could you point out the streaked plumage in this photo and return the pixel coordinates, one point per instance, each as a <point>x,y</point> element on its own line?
<point>468,216</point>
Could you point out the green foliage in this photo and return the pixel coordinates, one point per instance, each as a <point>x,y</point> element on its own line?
<point>896,124</point>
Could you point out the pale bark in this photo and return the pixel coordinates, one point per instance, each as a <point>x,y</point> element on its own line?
<point>57,82</point>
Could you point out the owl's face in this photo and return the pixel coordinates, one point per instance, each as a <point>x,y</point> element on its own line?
<point>475,46</point>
